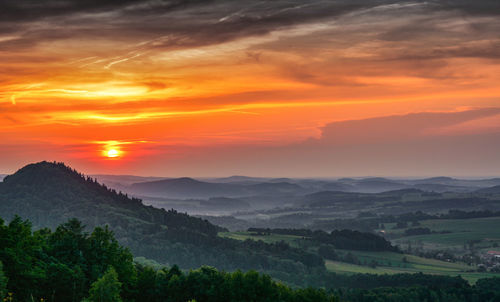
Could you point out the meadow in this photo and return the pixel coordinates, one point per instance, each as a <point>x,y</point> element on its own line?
<point>457,234</point>
<point>395,263</point>
<point>386,262</point>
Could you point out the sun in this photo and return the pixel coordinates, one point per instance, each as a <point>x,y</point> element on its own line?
<point>112,153</point>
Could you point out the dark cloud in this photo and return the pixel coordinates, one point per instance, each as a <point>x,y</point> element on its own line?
<point>472,7</point>
<point>223,21</point>
<point>32,10</point>
<point>191,23</point>
<point>188,23</point>
<point>489,51</point>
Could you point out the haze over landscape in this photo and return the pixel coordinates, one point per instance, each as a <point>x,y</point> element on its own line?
<point>278,151</point>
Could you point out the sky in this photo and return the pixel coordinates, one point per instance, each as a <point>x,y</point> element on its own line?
<point>262,88</point>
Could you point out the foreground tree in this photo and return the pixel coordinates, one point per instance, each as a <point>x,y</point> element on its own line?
<point>107,288</point>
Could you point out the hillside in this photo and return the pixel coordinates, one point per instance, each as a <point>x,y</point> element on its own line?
<point>50,193</point>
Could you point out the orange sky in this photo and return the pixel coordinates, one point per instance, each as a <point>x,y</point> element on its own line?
<point>232,87</point>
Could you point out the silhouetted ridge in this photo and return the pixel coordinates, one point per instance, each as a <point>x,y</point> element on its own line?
<point>48,193</point>
<point>173,181</point>
<point>43,173</point>
<point>376,179</point>
<point>438,179</point>
<point>61,183</point>
<point>184,187</point>
<point>191,188</point>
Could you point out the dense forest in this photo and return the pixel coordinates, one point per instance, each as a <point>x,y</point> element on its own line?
<point>69,264</point>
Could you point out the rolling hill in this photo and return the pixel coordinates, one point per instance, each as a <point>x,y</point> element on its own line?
<point>191,188</point>
<point>185,187</point>
<point>490,190</point>
<point>49,194</point>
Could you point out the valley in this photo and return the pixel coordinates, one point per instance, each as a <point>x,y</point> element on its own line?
<point>301,237</point>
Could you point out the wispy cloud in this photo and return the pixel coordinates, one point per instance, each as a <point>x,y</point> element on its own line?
<point>184,71</point>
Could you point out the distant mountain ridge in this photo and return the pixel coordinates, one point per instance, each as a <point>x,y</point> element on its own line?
<point>244,186</point>
<point>186,187</point>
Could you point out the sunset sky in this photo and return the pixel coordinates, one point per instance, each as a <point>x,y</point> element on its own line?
<point>261,88</point>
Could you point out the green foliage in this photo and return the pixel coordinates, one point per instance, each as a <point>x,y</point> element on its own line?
<point>70,264</point>
<point>3,282</point>
<point>107,288</point>
<point>60,265</point>
<point>20,252</point>
<point>209,284</point>
<point>328,252</point>
<point>341,239</point>
<point>64,282</point>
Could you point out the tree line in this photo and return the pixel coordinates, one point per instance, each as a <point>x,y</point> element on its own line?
<point>70,264</point>
<point>340,239</point>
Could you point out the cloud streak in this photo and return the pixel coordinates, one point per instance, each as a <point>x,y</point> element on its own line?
<point>193,23</point>
<point>202,75</point>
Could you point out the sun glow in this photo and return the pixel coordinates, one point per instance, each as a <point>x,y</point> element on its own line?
<point>112,153</point>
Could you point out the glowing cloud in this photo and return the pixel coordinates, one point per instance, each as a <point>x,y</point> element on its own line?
<point>172,82</point>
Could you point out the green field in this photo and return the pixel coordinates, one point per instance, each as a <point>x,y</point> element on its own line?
<point>388,262</point>
<point>393,263</point>
<point>462,231</point>
<point>347,268</point>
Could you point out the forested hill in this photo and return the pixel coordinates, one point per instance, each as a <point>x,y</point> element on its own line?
<point>49,194</point>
